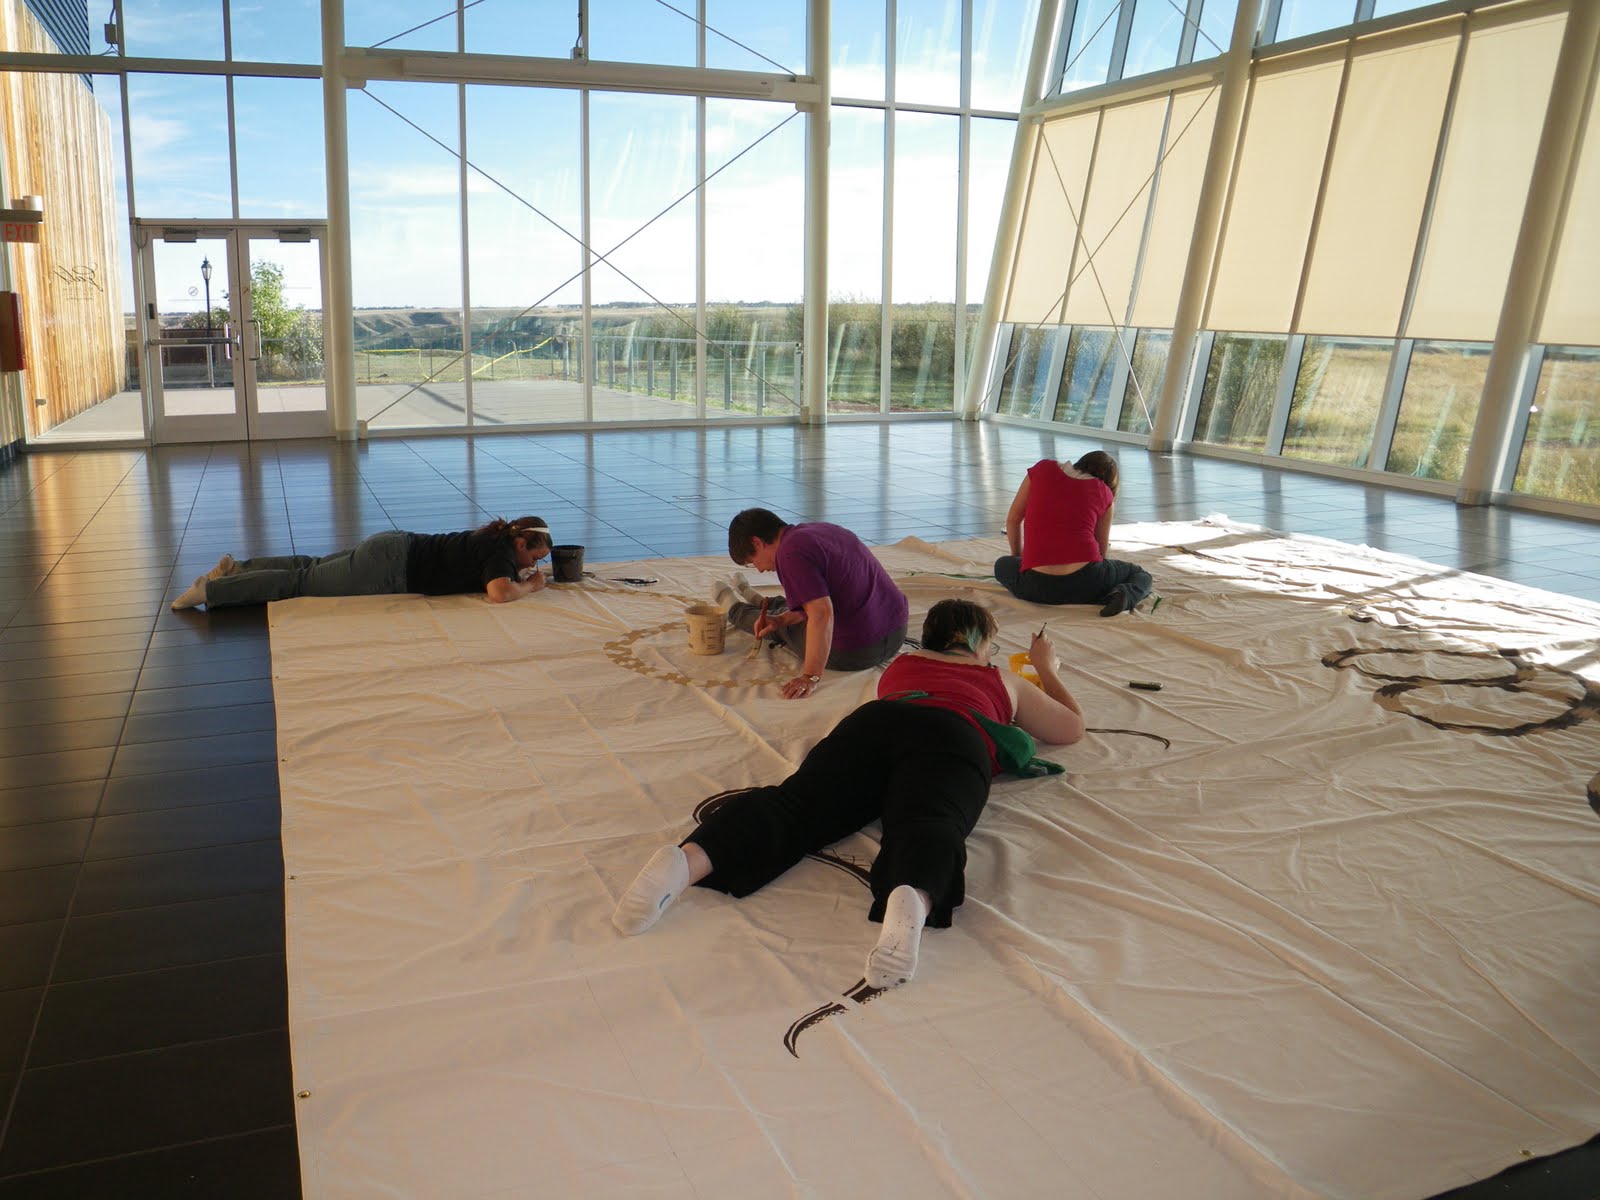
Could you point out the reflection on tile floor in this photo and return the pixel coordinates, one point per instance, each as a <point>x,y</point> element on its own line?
<point>143,1041</point>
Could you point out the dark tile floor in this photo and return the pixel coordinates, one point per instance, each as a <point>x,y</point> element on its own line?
<point>143,1041</point>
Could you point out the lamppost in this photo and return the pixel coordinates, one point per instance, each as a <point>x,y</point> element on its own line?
<point>205,274</point>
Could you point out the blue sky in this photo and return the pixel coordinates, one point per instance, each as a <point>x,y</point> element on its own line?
<point>406,191</point>
<point>405,188</point>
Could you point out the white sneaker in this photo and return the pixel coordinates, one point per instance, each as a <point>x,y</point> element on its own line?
<point>194,597</point>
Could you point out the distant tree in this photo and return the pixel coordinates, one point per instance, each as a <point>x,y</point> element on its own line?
<point>289,335</point>
<point>266,300</point>
<point>266,288</point>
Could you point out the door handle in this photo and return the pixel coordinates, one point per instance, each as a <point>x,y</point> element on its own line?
<point>227,340</point>
<point>256,357</point>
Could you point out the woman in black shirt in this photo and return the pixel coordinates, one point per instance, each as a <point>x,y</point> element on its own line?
<point>498,558</point>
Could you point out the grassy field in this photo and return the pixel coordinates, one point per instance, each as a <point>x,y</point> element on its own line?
<point>1332,420</point>
<point>1561,453</point>
<point>1338,393</point>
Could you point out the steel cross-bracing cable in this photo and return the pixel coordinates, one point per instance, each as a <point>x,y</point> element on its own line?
<point>1089,260</point>
<point>1088,264</point>
<point>596,255</point>
<point>709,28</point>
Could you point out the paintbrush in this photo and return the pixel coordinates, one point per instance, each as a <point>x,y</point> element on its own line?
<point>755,651</point>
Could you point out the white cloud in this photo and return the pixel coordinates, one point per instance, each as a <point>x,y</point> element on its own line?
<point>431,182</point>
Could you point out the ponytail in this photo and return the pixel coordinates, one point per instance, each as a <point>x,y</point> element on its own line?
<point>532,530</point>
<point>957,625</point>
<point>1102,466</point>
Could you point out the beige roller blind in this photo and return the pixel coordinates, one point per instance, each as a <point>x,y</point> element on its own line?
<point>1113,215</point>
<point>1183,166</point>
<point>1274,192</point>
<point>1044,249</point>
<point>1377,185</point>
<point>1572,308</point>
<point>1494,133</point>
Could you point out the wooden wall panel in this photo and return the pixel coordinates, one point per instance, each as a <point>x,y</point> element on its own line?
<point>58,143</point>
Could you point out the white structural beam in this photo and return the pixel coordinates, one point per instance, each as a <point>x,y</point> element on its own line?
<point>338,306</point>
<point>700,223</point>
<point>814,408</point>
<point>586,238</point>
<point>1167,419</point>
<point>1045,35</point>
<point>1488,455</point>
<point>439,66</point>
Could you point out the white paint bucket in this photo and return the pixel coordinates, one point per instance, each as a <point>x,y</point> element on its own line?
<point>707,624</point>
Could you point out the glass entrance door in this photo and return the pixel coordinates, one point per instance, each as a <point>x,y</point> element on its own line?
<point>286,394</point>
<point>233,331</point>
<point>190,328</point>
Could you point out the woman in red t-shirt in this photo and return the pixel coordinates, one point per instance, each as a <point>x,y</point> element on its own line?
<point>917,758</point>
<point>1059,527</point>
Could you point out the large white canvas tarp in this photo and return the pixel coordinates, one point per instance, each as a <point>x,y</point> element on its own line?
<point>1319,918</point>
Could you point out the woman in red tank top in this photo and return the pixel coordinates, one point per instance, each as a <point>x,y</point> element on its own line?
<point>1059,527</point>
<point>917,758</point>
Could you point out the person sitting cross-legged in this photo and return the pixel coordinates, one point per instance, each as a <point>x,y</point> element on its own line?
<point>839,610</point>
<point>1059,528</point>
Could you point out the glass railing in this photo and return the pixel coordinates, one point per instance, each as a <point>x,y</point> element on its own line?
<point>533,380</point>
<point>194,364</point>
<point>755,377</point>
<point>758,378</point>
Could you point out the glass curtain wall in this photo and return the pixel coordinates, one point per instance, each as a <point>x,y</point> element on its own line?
<point>926,94</point>
<point>855,260</point>
<point>643,247</point>
<point>921,87</point>
<point>524,257</point>
<point>755,158</point>
<point>222,124</point>
<point>1108,214</point>
<point>470,200</point>
<point>1376,195</point>
<point>922,320</point>
<point>405,254</point>
<point>473,286</point>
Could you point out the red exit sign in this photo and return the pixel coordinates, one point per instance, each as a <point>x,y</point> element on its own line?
<point>21,231</point>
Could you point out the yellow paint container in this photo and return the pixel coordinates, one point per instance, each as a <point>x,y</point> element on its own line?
<point>1021,665</point>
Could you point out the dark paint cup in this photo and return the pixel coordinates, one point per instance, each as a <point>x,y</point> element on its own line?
<point>566,564</point>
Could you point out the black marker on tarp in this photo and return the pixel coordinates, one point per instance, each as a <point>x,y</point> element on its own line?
<point>1144,685</point>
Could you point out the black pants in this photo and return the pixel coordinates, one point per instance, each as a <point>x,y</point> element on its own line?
<point>743,616</point>
<point>923,771</point>
<point>1091,583</point>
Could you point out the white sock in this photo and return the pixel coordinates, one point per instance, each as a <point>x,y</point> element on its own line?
<point>742,587</point>
<point>225,567</point>
<point>893,960</point>
<point>660,883</point>
<point>722,594</point>
<point>193,597</point>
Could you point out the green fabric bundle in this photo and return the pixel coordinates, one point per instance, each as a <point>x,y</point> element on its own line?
<point>1014,748</point>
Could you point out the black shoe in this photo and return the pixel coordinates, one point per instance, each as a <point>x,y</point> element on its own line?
<point>1116,602</point>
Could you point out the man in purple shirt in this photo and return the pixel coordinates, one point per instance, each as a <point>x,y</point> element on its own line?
<point>839,609</point>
